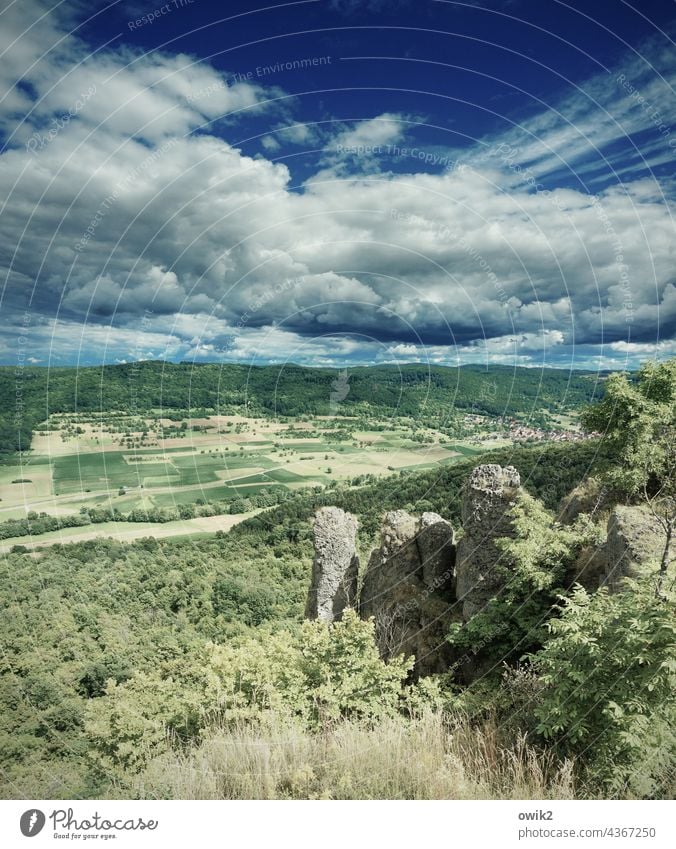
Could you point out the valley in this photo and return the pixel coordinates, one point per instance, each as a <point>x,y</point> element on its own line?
<point>155,448</point>
<point>224,468</point>
<point>170,624</point>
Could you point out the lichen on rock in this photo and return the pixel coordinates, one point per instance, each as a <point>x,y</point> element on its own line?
<point>489,495</point>
<point>335,568</point>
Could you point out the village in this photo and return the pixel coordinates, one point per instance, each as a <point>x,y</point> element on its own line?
<point>516,431</point>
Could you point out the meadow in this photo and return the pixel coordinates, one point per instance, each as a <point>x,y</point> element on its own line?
<point>79,463</point>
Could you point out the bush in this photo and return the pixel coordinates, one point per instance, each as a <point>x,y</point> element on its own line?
<point>533,565</point>
<point>610,673</point>
<point>317,677</point>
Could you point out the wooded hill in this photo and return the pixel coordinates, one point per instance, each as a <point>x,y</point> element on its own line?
<point>29,395</point>
<point>83,614</point>
<point>185,670</point>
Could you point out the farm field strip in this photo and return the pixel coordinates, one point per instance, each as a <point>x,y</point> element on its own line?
<point>126,532</point>
<point>228,458</point>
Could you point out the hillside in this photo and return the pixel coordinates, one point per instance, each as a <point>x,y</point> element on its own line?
<point>125,665</point>
<point>105,610</point>
<point>433,394</point>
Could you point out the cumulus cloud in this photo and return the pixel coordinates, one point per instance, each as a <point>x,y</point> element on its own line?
<point>362,145</point>
<point>137,226</point>
<point>383,129</point>
<point>53,80</point>
<point>270,143</point>
<point>301,134</point>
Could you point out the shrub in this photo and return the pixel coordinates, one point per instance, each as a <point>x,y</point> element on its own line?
<point>321,675</point>
<point>610,672</point>
<point>318,676</point>
<point>533,565</point>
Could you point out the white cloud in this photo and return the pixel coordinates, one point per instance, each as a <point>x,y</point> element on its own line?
<point>387,128</point>
<point>270,144</point>
<point>126,215</point>
<point>296,134</point>
<point>608,110</point>
<point>126,94</point>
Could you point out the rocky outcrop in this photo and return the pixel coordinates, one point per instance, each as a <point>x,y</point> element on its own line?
<point>590,497</point>
<point>589,569</point>
<point>489,495</point>
<point>335,567</point>
<point>635,539</point>
<point>409,589</point>
<point>418,581</point>
<point>436,545</point>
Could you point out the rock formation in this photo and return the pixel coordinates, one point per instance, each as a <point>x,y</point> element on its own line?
<point>408,589</point>
<point>486,517</point>
<point>635,538</point>
<point>590,568</point>
<point>336,565</point>
<point>418,581</point>
<point>436,544</point>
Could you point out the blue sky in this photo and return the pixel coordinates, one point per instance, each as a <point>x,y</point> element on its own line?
<point>336,182</point>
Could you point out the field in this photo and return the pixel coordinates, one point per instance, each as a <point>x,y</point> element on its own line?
<point>129,531</point>
<point>123,463</point>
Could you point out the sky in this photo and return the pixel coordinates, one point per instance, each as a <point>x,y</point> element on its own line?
<point>338,182</point>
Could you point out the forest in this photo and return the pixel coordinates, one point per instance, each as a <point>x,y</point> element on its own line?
<point>185,669</point>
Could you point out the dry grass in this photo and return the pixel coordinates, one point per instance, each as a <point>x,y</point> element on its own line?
<point>422,759</point>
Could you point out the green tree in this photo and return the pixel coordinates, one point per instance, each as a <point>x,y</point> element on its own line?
<point>638,422</point>
<point>533,565</point>
<point>316,676</point>
<point>609,671</point>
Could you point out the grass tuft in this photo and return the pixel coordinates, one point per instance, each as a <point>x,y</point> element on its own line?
<point>427,758</point>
